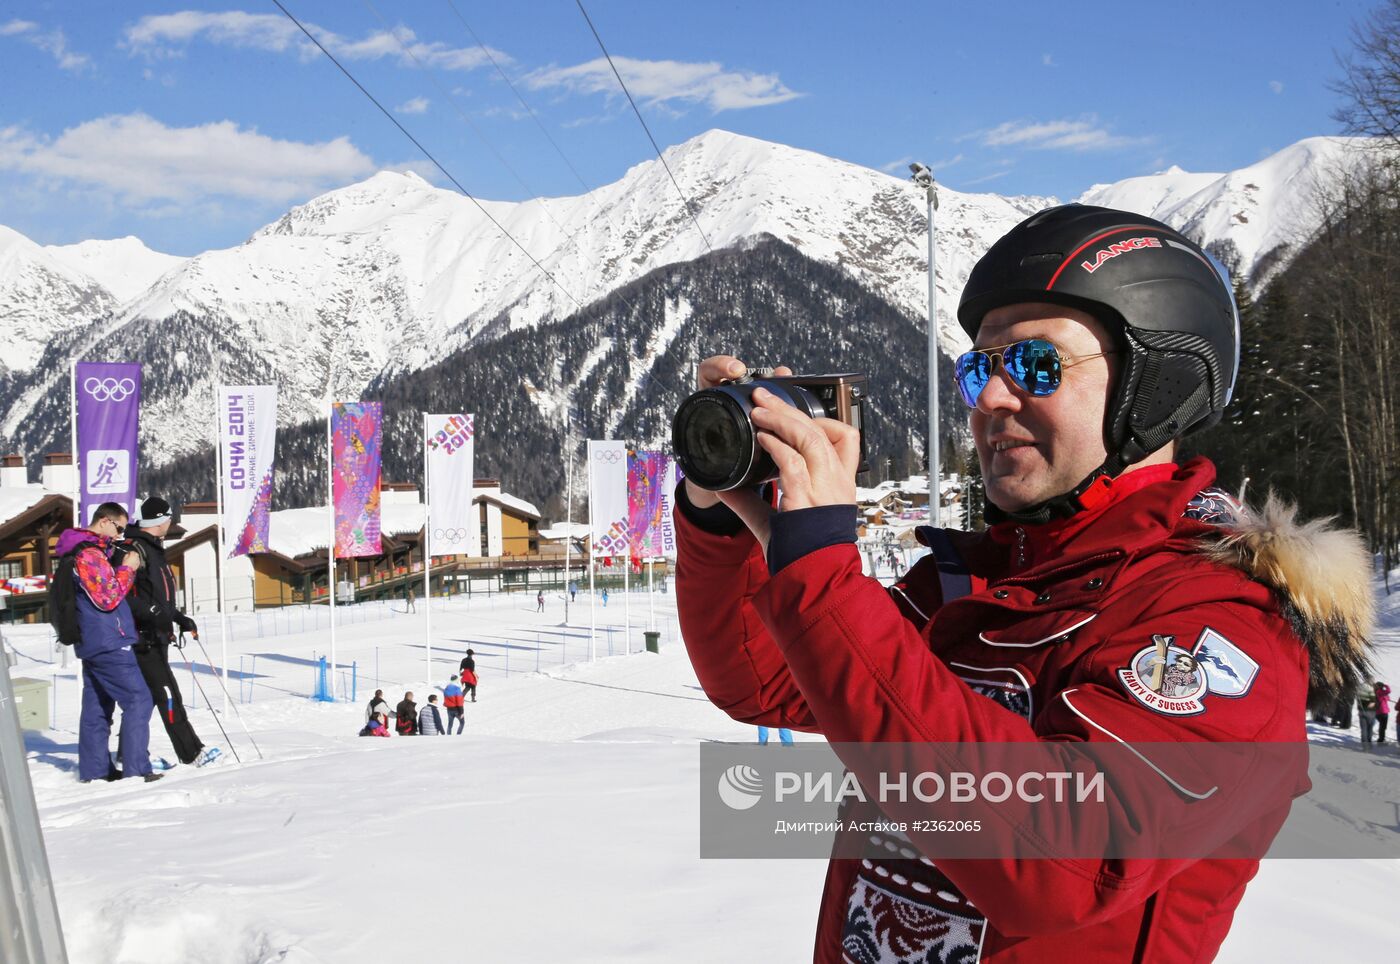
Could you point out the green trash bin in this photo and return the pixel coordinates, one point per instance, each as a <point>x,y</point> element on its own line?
<point>653,642</point>
<point>32,702</point>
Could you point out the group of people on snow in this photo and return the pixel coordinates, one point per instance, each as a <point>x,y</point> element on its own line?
<point>412,720</point>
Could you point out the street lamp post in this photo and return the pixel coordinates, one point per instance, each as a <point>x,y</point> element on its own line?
<point>923,177</point>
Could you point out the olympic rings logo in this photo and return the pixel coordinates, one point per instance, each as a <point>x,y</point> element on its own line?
<point>109,389</point>
<point>450,535</point>
<point>610,456</point>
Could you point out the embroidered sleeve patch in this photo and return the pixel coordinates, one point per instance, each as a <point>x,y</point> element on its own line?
<point>1171,679</point>
<point>1214,506</point>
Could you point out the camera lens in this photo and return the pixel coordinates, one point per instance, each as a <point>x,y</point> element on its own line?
<point>713,438</point>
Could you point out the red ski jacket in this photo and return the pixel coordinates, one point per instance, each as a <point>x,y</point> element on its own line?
<point>1039,626</point>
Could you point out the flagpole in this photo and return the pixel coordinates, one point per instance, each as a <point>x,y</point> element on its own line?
<point>568,527</point>
<point>592,545</point>
<point>219,536</point>
<point>427,558</point>
<point>73,441</point>
<point>330,547</point>
<point>627,599</point>
<point>651,593</point>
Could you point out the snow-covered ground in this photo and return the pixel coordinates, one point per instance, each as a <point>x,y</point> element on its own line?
<point>563,824</point>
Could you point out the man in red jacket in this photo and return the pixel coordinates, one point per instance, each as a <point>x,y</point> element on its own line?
<point>1116,597</point>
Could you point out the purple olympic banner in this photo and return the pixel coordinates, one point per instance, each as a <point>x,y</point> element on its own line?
<point>108,404</point>
<point>356,432</point>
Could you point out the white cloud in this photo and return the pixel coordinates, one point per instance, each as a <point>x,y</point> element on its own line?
<point>901,166</point>
<point>141,161</point>
<point>1047,61</point>
<point>1085,134</point>
<point>659,82</point>
<point>1276,86</point>
<point>166,35</point>
<point>53,42</point>
<point>985,178</point>
<point>416,105</point>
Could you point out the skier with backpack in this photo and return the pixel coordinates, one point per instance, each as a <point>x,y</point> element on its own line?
<point>87,607</point>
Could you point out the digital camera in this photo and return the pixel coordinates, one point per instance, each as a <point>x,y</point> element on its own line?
<point>714,438</point>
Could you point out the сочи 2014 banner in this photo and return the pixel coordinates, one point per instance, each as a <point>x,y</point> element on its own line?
<point>247,441</point>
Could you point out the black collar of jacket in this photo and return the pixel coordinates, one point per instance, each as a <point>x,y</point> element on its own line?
<point>1086,495</point>
<point>141,538</point>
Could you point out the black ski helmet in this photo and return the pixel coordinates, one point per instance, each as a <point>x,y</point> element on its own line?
<point>1169,303</point>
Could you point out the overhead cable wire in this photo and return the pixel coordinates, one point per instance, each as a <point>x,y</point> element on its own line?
<point>689,209</point>
<point>518,96</point>
<point>466,118</point>
<point>486,50</point>
<point>428,154</point>
<point>481,135</point>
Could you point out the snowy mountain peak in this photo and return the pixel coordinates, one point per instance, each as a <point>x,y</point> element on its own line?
<point>1256,214</point>
<point>124,266</point>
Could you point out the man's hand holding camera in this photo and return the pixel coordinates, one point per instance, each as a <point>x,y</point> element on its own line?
<point>817,458</point>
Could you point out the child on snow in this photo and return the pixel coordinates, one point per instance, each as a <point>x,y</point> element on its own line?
<point>378,725</point>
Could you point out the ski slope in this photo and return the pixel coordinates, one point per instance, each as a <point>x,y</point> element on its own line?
<point>563,823</point>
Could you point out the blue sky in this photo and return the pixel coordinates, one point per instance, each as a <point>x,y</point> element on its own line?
<point>190,125</point>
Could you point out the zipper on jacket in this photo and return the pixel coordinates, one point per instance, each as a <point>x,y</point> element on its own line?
<point>1020,547</point>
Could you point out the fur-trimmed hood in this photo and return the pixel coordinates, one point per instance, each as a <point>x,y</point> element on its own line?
<point>1322,575</point>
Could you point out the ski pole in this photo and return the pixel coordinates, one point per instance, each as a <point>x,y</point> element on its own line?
<point>236,715</point>
<point>200,687</point>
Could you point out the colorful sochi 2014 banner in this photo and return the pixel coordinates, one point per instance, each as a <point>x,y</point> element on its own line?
<point>607,497</point>
<point>247,441</point>
<point>650,479</point>
<point>109,403</point>
<point>355,464</point>
<point>456,529</point>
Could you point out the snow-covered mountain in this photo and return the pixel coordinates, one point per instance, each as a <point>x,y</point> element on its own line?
<point>392,274</point>
<point>40,297</point>
<point>1263,211</point>
<point>124,266</point>
<point>48,291</point>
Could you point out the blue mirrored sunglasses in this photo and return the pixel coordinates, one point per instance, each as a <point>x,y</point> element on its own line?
<point>1035,365</point>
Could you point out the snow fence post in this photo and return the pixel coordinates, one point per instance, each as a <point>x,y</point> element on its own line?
<point>323,684</point>
<point>354,680</point>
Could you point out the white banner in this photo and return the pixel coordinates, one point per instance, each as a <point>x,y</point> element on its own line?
<point>247,443</point>
<point>456,526</point>
<point>668,509</point>
<point>607,497</point>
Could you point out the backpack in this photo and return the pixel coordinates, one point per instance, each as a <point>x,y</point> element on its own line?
<point>63,597</point>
